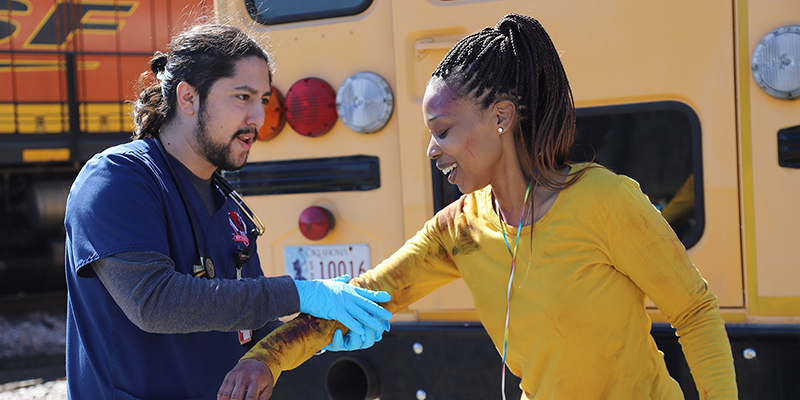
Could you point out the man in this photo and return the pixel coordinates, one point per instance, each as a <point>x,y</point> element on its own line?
<point>162,269</point>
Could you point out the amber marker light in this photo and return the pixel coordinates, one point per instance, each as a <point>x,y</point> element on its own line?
<point>275,117</point>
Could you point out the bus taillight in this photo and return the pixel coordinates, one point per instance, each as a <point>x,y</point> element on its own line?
<point>315,222</point>
<point>311,107</point>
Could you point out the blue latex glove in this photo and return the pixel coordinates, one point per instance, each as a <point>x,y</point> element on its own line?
<point>352,341</point>
<point>353,306</point>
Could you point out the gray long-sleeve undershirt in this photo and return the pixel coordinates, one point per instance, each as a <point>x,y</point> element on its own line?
<point>158,299</point>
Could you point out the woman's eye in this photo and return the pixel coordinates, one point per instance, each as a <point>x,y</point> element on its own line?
<point>444,133</point>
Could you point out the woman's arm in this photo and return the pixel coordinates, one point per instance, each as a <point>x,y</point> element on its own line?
<point>416,269</point>
<point>644,248</point>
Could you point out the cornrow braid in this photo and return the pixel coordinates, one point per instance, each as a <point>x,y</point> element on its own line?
<point>517,61</point>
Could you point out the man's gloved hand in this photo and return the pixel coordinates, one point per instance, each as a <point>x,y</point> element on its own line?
<point>352,341</point>
<point>353,306</point>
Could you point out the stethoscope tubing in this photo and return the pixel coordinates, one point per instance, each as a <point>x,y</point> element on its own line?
<point>198,240</point>
<point>206,265</point>
<point>229,191</point>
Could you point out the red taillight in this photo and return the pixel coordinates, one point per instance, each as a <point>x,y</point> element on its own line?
<point>275,117</point>
<point>315,222</point>
<point>311,107</point>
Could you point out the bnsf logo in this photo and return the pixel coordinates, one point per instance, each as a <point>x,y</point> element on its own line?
<point>63,20</point>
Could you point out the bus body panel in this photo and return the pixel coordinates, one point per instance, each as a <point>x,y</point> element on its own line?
<point>769,191</point>
<point>629,59</point>
<point>325,50</point>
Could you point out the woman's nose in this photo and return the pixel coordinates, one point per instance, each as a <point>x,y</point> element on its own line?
<point>433,149</point>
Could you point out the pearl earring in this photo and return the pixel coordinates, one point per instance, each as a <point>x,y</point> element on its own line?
<point>500,130</point>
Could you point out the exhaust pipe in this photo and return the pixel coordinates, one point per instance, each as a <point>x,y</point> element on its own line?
<point>352,378</point>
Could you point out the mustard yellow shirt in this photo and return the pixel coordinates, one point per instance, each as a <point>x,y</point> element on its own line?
<point>578,326</point>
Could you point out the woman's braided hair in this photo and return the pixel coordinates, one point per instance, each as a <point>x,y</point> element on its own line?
<point>516,61</point>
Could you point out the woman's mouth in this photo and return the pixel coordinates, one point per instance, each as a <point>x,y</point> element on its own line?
<point>446,171</point>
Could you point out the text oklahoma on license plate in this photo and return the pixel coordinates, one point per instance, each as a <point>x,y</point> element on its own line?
<point>326,261</point>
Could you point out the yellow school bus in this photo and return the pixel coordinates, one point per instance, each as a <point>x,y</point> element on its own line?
<point>696,100</point>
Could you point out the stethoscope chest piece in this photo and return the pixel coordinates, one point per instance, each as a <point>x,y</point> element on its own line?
<point>205,267</point>
<point>209,267</point>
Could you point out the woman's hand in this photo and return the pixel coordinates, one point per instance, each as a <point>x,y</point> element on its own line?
<point>249,376</point>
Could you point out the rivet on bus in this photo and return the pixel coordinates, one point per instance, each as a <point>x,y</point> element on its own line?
<point>311,107</point>
<point>315,222</point>
<point>364,102</point>
<point>275,117</point>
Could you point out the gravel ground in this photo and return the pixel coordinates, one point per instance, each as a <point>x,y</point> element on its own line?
<point>34,389</point>
<point>32,350</point>
<point>33,334</point>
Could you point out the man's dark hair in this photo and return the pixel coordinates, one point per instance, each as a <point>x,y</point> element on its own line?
<point>199,56</point>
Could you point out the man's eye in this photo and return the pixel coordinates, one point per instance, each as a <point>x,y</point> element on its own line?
<point>264,101</point>
<point>243,96</point>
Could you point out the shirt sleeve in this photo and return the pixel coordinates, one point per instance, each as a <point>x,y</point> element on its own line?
<point>644,248</point>
<point>158,299</point>
<point>419,267</point>
<point>110,209</point>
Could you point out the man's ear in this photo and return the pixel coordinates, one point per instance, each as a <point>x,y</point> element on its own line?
<point>505,112</point>
<point>188,101</point>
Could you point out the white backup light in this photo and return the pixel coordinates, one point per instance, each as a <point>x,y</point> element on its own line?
<point>776,63</point>
<point>364,102</point>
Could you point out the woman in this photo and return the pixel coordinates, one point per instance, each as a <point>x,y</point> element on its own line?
<point>559,257</point>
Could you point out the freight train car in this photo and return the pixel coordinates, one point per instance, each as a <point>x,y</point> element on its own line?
<point>693,99</point>
<point>67,68</point>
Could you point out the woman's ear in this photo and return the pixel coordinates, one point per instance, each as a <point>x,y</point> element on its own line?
<point>506,113</point>
<point>188,100</point>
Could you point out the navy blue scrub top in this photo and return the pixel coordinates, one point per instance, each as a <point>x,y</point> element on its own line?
<point>125,199</point>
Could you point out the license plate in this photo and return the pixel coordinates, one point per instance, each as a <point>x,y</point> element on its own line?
<point>326,261</point>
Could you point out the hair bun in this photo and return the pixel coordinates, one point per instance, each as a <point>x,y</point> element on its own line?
<point>158,63</point>
<point>512,23</point>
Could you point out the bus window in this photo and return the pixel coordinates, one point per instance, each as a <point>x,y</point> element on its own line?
<point>657,144</point>
<point>274,12</point>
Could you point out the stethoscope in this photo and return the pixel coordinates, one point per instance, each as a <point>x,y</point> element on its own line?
<point>206,266</point>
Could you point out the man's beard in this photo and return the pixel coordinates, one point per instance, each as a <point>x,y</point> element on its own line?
<point>218,154</point>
